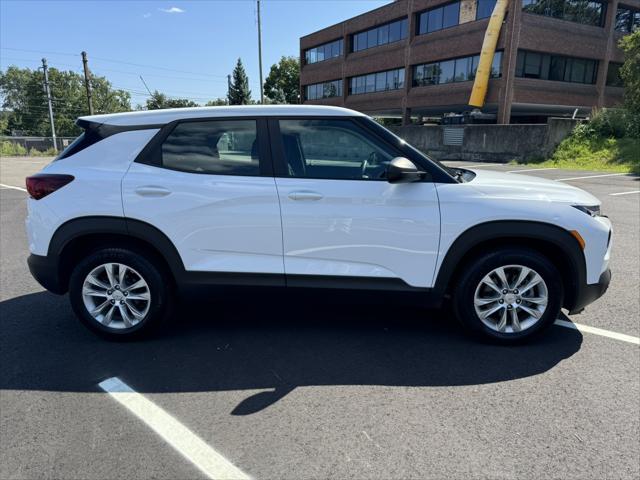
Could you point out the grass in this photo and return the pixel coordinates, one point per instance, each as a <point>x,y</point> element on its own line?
<point>600,154</point>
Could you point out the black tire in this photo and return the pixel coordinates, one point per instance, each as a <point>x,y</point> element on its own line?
<point>475,271</point>
<point>159,285</point>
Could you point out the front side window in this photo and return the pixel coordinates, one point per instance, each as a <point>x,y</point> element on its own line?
<point>333,149</point>
<point>217,147</point>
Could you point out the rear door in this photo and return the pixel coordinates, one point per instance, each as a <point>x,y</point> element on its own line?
<point>341,219</point>
<point>208,185</point>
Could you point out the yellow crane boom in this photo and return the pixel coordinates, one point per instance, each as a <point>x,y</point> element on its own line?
<point>481,82</point>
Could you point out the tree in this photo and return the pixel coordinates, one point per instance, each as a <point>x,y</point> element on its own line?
<point>239,93</point>
<point>159,101</point>
<point>216,103</point>
<point>25,102</point>
<point>284,79</point>
<point>630,72</point>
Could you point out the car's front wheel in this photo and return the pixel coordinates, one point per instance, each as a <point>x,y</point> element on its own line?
<point>119,293</point>
<point>508,295</point>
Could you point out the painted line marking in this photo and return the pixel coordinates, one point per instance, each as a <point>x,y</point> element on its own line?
<point>592,176</point>
<point>532,170</point>
<point>187,443</point>
<point>624,193</point>
<point>480,165</point>
<point>12,187</point>
<point>599,331</point>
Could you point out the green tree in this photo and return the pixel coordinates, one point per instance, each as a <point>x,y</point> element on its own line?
<point>25,102</point>
<point>239,93</point>
<point>630,73</point>
<point>284,80</point>
<point>216,102</point>
<point>159,101</point>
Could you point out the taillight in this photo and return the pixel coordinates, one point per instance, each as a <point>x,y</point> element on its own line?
<point>42,184</point>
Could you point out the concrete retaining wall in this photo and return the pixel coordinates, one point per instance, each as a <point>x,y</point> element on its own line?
<point>489,143</point>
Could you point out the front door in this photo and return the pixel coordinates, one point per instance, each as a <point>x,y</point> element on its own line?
<point>340,217</point>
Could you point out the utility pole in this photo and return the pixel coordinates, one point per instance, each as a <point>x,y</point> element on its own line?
<point>48,92</point>
<point>260,54</point>
<point>228,89</point>
<point>87,81</point>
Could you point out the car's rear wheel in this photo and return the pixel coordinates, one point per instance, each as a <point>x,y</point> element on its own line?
<point>119,293</point>
<point>509,295</point>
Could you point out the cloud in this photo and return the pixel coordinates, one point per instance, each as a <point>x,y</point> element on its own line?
<point>146,15</point>
<point>171,10</point>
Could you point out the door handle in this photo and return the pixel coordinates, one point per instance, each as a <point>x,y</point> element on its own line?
<point>152,191</point>
<point>305,195</point>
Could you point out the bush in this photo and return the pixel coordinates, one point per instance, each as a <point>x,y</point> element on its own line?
<point>11,149</point>
<point>608,123</point>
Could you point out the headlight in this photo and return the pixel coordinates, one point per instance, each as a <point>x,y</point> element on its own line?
<point>593,211</point>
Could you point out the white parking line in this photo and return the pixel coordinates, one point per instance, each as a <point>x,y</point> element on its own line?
<point>12,187</point>
<point>624,193</point>
<point>480,165</point>
<point>599,331</point>
<point>591,176</point>
<point>192,447</point>
<point>532,170</point>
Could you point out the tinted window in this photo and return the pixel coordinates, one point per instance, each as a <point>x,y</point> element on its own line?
<point>580,11</point>
<point>447,70</point>
<point>484,8</point>
<point>450,15</point>
<point>613,75</point>
<point>556,67</point>
<point>435,20</point>
<point>333,149</point>
<point>377,82</point>
<point>220,147</point>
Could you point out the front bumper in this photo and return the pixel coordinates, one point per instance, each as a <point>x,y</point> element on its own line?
<point>46,272</point>
<point>589,293</point>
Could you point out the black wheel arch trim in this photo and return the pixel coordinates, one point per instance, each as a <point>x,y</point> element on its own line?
<point>137,229</point>
<point>516,229</point>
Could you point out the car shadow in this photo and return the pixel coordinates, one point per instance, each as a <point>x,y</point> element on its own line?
<point>264,340</point>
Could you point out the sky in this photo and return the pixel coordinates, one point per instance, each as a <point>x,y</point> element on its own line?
<point>185,49</point>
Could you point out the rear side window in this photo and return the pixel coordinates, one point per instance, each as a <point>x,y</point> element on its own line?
<point>218,147</point>
<point>85,140</point>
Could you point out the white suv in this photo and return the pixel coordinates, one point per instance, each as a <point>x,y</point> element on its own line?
<point>302,196</point>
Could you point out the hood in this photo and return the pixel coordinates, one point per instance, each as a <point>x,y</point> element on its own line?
<point>526,187</point>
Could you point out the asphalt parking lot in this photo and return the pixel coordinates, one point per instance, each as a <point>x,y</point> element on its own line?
<point>303,385</point>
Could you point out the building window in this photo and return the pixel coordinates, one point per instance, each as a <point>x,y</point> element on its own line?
<point>613,75</point>
<point>627,19</point>
<point>579,11</point>
<point>556,67</point>
<point>484,8</point>
<point>377,82</point>
<point>438,18</point>
<point>324,52</point>
<point>323,90</point>
<point>456,70</point>
<point>388,33</point>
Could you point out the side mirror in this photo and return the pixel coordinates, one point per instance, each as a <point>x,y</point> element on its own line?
<point>403,170</point>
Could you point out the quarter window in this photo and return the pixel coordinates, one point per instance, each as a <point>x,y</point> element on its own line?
<point>333,149</point>
<point>218,147</point>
